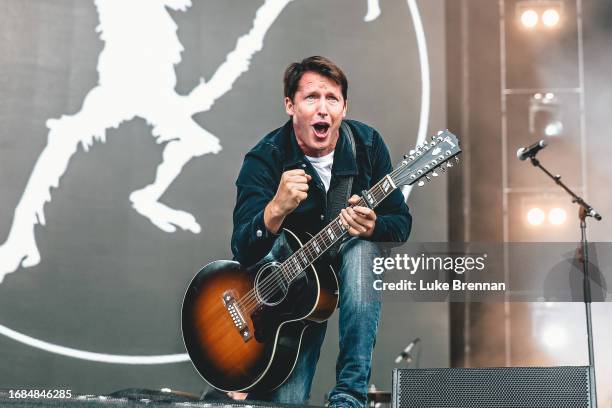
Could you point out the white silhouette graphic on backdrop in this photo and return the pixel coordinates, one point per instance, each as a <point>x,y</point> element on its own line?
<point>137,79</point>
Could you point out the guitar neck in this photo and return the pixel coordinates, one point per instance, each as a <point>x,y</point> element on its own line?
<point>333,232</point>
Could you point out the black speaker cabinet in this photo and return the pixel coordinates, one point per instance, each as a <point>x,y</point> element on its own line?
<point>507,387</point>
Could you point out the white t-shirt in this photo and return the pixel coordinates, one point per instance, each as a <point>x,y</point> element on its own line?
<point>323,166</point>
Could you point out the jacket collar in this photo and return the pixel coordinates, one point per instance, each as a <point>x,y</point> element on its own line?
<point>345,162</point>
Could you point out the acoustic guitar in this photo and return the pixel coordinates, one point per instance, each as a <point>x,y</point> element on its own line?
<point>242,327</point>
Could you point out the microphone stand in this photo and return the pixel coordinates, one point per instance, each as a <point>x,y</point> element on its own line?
<point>584,211</point>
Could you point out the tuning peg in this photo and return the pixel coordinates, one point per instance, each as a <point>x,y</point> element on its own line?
<point>443,169</point>
<point>435,174</point>
<point>421,183</point>
<point>428,178</point>
<point>440,132</point>
<point>456,159</point>
<point>449,164</point>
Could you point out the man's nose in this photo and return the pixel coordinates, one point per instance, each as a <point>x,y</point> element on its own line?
<point>323,108</point>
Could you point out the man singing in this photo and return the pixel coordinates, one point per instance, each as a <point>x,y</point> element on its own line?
<point>286,181</point>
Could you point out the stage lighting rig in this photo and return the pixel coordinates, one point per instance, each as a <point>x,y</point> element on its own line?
<point>534,14</point>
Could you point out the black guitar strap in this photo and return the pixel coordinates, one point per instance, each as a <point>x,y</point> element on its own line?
<point>338,194</point>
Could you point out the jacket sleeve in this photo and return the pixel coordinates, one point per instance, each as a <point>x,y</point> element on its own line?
<point>393,220</point>
<point>256,185</point>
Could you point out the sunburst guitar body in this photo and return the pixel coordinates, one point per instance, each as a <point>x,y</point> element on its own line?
<point>242,327</point>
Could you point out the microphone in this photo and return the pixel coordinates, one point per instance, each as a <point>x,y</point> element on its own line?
<point>405,354</point>
<point>592,213</point>
<point>530,151</point>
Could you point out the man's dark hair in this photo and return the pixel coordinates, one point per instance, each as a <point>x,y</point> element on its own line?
<point>321,66</point>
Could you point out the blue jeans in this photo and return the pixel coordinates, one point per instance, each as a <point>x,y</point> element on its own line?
<point>359,316</point>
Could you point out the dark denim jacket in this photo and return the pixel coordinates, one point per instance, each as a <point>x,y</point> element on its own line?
<point>278,152</point>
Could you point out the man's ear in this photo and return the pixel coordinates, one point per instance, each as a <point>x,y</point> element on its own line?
<point>289,108</point>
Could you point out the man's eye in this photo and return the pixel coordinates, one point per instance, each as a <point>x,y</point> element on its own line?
<point>310,98</point>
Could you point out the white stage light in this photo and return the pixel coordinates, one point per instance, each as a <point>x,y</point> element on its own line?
<point>529,18</point>
<point>535,216</point>
<point>553,129</point>
<point>554,336</point>
<point>551,18</point>
<point>557,216</point>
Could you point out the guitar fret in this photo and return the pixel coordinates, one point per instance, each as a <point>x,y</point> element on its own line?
<point>326,241</point>
<point>295,266</point>
<point>370,199</point>
<point>283,274</point>
<point>386,185</point>
<point>339,228</point>
<point>381,191</point>
<point>304,260</point>
<point>310,253</point>
<point>340,225</point>
<point>323,238</point>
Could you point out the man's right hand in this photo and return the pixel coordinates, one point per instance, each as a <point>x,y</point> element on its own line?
<point>292,190</point>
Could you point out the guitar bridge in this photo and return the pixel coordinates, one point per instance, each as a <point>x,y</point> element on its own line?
<point>232,307</point>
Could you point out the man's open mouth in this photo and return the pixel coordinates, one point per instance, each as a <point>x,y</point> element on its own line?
<point>321,128</point>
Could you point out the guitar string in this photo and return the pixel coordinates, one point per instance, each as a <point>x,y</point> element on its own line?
<point>250,299</point>
<point>291,271</point>
<point>294,270</point>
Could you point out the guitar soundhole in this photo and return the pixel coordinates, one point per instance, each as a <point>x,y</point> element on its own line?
<point>270,284</point>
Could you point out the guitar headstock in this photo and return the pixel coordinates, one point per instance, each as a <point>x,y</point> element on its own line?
<point>427,159</point>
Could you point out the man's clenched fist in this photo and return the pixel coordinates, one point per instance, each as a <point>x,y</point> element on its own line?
<point>292,190</point>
